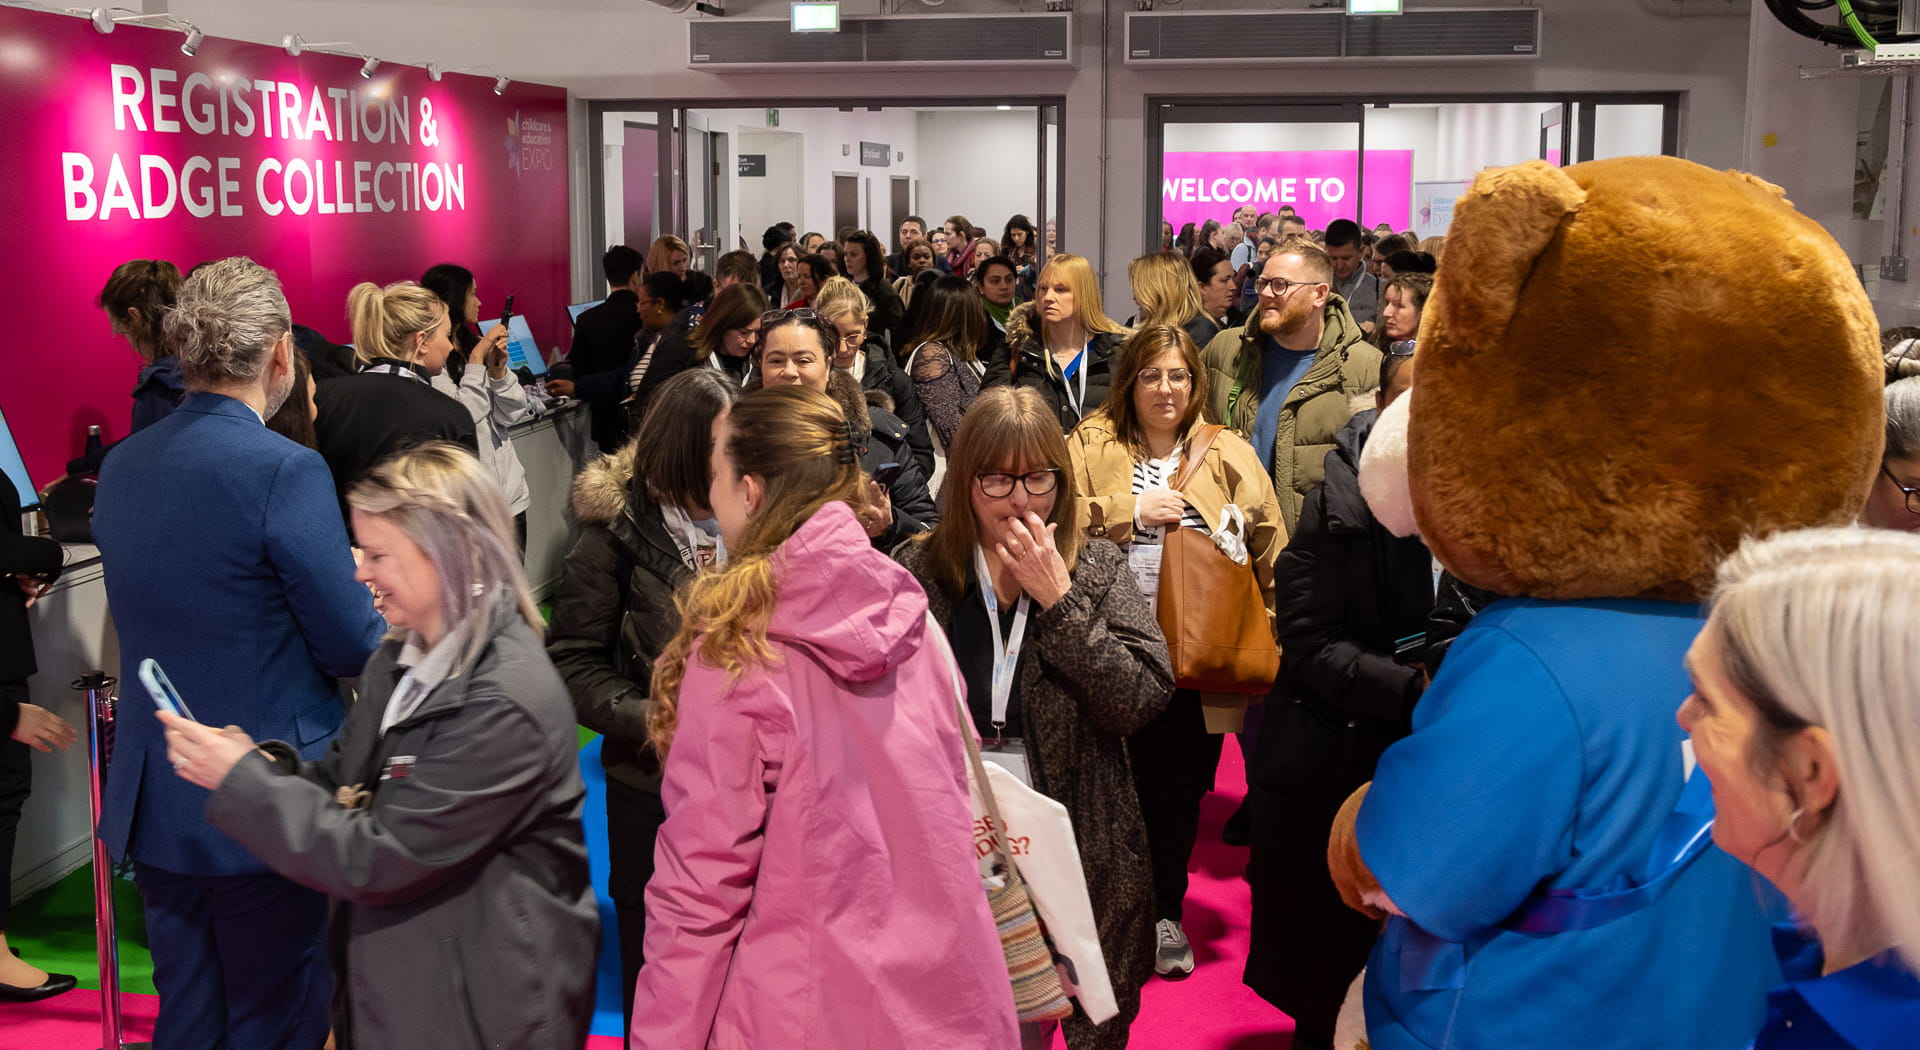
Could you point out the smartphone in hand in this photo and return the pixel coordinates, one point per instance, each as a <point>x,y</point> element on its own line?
<point>165,696</point>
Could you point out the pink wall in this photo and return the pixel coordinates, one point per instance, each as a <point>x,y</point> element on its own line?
<point>121,147</point>
<point>1321,185</point>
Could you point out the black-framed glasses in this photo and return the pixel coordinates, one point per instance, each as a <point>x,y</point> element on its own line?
<point>1912,494</point>
<point>801,313</point>
<point>1177,378</point>
<point>1000,486</point>
<point>1279,286</point>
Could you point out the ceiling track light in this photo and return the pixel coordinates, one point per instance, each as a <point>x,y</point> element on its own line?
<point>295,46</point>
<point>104,20</point>
<point>499,85</point>
<point>367,68</point>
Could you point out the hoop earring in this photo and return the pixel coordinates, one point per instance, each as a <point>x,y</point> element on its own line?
<point>1793,825</point>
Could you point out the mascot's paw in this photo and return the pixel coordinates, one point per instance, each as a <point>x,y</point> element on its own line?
<point>1384,481</point>
<point>1350,1031</point>
<point>1350,875</point>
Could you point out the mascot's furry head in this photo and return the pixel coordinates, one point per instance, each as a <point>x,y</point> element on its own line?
<point>1625,367</point>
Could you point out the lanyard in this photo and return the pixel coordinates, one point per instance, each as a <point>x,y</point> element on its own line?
<point>1006,650</point>
<point>394,368</point>
<point>692,540</point>
<point>1074,368</point>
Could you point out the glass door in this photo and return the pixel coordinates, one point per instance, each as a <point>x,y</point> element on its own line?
<point>699,221</point>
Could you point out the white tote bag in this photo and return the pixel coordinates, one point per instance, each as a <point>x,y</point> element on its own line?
<point>1038,838</point>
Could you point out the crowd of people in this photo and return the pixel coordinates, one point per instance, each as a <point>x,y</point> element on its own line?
<point>853,508</point>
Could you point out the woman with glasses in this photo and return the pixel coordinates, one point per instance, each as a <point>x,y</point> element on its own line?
<point>1062,344</point>
<point>1353,601</point>
<point>796,349</point>
<point>861,351</point>
<point>1062,657</point>
<point>1124,458</point>
<point>1894,500</point>
<point>786,288</point>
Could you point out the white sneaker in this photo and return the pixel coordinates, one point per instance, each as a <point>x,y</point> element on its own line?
<point>1172,956</point>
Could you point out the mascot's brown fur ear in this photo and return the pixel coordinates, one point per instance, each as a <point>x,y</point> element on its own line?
<point>1350,874</point>
<point>1502,226</point>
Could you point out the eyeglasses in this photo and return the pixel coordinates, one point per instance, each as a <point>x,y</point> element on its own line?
<point>999,486</point>
<point>773,317</point>
<point>1177,378</point>
<point>853,339</point>
<point>1912,494</point>
<point>1279,286</point>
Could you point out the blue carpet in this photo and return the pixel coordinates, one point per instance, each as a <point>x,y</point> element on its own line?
<point>606,985</point>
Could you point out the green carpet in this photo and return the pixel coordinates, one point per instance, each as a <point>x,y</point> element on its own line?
<point>54,930</point>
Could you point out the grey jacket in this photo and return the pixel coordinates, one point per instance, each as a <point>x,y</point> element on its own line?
<point>462,912</point>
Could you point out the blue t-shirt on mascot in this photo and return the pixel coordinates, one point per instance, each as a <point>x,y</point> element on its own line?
<point>1545,756</point>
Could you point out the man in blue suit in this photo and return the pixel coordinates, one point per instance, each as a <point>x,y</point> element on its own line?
<point>226,561</point>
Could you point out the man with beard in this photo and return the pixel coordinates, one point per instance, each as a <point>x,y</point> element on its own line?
<point>1285,378</point>
<point>227,562</point>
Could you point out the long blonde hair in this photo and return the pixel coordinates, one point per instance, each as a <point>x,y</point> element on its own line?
<point>1821,627</point>
<point>448,504</point>
<point>796,441</point>
<point>1078,273</point>
<point>1164,287</point>
<point>385,320</point>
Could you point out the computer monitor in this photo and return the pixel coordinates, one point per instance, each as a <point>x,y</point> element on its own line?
<point>15,467</point>
<point>574,311</point>
<point>521,351</point>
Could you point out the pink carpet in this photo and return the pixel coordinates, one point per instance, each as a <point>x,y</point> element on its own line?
<point>1211,1010</point>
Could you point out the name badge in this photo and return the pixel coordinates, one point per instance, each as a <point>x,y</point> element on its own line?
<point>399,767</point>
<point>1010,755</point>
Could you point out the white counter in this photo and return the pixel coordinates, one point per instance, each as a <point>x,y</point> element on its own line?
<point>73,634</point>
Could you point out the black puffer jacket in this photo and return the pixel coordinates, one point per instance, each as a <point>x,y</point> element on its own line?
<point>614,612</point>
<point>881,373</point>
<point>1023,361</point>
<point>1345,591</point>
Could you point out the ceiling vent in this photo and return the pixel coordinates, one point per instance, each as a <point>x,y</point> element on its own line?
<point>1016,41</point>
<point>1156,38</point>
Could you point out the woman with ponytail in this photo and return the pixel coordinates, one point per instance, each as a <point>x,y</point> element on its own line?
<point>401,339</point>
<point>816,882</point>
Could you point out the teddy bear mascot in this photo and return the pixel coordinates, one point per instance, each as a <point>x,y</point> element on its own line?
<point>1626,366</point>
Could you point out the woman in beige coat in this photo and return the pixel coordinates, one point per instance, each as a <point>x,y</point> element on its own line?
<point>1125,457</point>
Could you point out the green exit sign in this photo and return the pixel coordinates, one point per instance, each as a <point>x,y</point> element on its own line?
<point>816,17</point>
<point>1373,7</point>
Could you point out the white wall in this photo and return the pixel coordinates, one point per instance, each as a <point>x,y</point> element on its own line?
<point>763,201</point>
<point>1486,135</point>
<point>623,49</point>
<point>979,164</point>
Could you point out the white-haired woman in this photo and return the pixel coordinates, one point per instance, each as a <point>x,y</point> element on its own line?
<point>1805,717</point>
<point>1894,500</point>
<point>445,819</point>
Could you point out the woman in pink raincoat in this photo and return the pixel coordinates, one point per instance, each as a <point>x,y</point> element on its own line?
<point>815,883</point>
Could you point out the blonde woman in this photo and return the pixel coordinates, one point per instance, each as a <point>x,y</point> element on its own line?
<point>861,351</point>
<point>401,341</point>
<point>815,884</point>
<point>1805,719</point>
<point>669,254</point>
<point>445,819</point>
<point>1062,344</point>
<point>1165,291</point>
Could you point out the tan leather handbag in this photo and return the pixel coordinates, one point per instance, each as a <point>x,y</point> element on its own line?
<point>1210,607</point>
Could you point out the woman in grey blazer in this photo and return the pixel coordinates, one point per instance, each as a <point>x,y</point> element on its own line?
<point>445,820</point>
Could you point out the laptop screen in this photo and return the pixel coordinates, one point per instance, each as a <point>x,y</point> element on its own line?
<point>574,311</point>
<point>15,467</point>
<point>521,351</point>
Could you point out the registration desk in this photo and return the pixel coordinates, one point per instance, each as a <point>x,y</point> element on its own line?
<point>73,633</point>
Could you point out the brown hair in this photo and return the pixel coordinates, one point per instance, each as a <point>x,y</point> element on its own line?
<point>795,441</point>
<point>293,420</point>
<point>1005,428</point>
<point>147,287</point>
<point>1146,347</point>
<point>673,451</point>
<point>736,307</point>
<point>1164,285</point>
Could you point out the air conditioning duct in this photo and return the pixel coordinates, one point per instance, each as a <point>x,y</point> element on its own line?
<point>1212,38</point>
<point>1012,41</point>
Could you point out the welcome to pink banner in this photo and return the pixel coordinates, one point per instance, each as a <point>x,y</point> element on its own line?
<point>1321,185</point>
<point>121,147</point>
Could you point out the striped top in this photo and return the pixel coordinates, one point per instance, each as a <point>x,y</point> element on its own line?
<point>1155,474</point>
